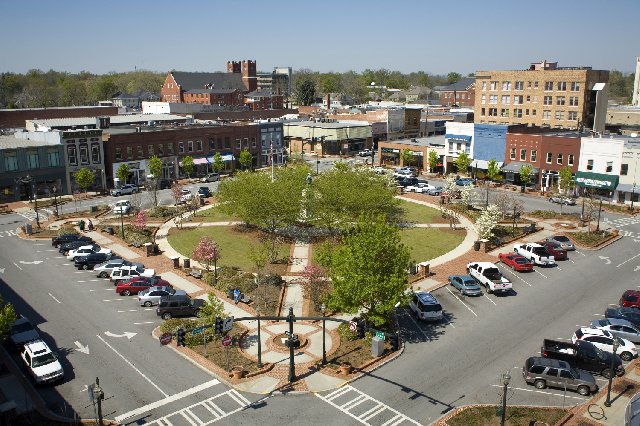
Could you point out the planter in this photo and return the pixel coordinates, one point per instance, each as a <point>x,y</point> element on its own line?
<point>345,368</point>
<point>237,372</point>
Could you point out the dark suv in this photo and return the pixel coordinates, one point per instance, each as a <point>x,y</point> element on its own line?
<point>178,306</point>
<point>544,372</point>
<point>67,238</point>
<point>630,298</point>
<point>89,261</point>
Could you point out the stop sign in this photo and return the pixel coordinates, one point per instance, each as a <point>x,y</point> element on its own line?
<point>165,338</point>
<point>226,341</point>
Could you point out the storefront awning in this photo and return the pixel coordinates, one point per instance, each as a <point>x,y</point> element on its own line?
<point>483,164</point>
<point>597,180</point>
<point>515,166</point>
<point>458,137</point>
<point>225,157</point>
<point>196,161</point>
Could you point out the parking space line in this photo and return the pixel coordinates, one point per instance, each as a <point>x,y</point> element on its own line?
<point>494,303</point>
<point>146,322</point>
<point>516,275</point>
<point>598,315</point>
<point>540,273</point>
<point>94,280</point>
<point>543,392</point>
<point>449,324</point>
<point>628,260</point>
<point>571,261</point>
<point>415,322</point>
<point>54,298</point>
<point>558,268</point>
<point>81,281</point>
<point>465,305</point>
<point>579,252</point>
<point>112,300</point>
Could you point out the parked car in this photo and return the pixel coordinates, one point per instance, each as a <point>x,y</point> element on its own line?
<point>185,196</point>
<point>488,275</point>
<point>536,253</point>
<point>543,372</point>
<point>380,170</point>
<point>516,262</point>
<point>465,284</point>
<point>90,261</point>
<point>86,250</point>
<point>152,295</point>
<point>630,314</point>
<point>560,199</point>
<point>122,207</point>
<point>618,327</point>
<point>555,250</point>
<point>604,340</point>
<point>178,306</point>
<point>41,362</point>
<point>465,181</point>
<point>365,153</point>
<point>164,184</point>
<point>126,272</point>
<point>583,355</point>
<point>73,245</point>
<point>126,189</point>
<point>420,187</point>
<point>204,192</point>
<point>211,177</point>
<point>22,331</point>
<point>405,172</point>
<point>630,298</point>
<point>104,269</point>
<point>67,238</point>
<point>425,306</point>
<point>137,284</point>
<point>564,242</point>
<point>438,190</point>
<point>407,181</point>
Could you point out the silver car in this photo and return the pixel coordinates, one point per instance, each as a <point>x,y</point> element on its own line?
<point>152,295</point>
<point>618,327</point>
<point>565,242</point>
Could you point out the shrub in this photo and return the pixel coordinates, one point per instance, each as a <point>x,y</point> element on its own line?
<point>346,333</point>
<point>272,279</point>
<point>229,278</point>
<point>170,326</point>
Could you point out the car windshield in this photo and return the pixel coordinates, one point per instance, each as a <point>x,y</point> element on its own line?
<point>521,260</point>
<point>43,359</point>
<point>540,251</point>
<point>574,372</point>
<point>600,353</point>
<point>21,328</point>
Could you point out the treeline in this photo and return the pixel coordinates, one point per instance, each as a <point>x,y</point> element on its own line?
<point>621,86</point>
<point>39,89</point>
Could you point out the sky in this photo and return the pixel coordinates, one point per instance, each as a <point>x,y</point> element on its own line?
<point>405,35</point>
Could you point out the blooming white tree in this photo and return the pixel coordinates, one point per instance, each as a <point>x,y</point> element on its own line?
<point>487,221</point>
<point>450,184</point>
<point>468,195</point>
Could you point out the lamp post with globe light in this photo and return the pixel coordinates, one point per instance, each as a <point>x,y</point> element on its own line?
<point>506,378</point>
<point>616,345</point>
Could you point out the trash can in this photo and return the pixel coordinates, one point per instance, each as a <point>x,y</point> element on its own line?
<point>377,346</point>
<point>93,209</point>
<point>476,245</point>
<point>110,230</point>
<point>176,262</point>
<point>28,228</point>
<point>148,249</point>
<point>156,249</point>
<point>186,263</point>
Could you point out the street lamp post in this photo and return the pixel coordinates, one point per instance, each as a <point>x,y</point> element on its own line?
<point>55,199</point>
<point>122,223</point>
<point>633,194</point>
<point>506,378</point>
<point>292,367</point>
<point>98,394</point>
<point>259,339</point>
<point>35,199</point>
<point>607,403</point>
<point>324,348</point>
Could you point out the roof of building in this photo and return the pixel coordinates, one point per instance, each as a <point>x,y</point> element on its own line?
<point>261,93</point>
<point>211,91</point>
<point>114,119</point>
<point>124,96</point>
<point>200,80</point>
<point>462,84</point>
<point>325,125</point>
<point>10,142</point>
<point>437,140</point>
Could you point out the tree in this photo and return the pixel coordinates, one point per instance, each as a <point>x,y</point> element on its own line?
<point>434,159</point>
<point>525,174</point>
<point>84,178</point>
<point>407,157</point>
<point>7,318</point>
<point>176,192</point>
<point>246,159</point>
<point>493,170</point>
<point>463,162</point>
<point>212,308</point>
<point>207,252</point>
<point>452,77</point>
<point>566,179</point>
<point>139,223</point>
<point>487,221</point>
<point>123,173</point>
<point>218,162</point>
<point>155,169</point>
<point>468,195</point>
<point>187,165</point>
<point>304,91</point>
<point>369,270</point>
<point>330,82</point>
<point>315,285</point>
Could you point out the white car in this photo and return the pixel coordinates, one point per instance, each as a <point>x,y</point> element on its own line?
<point>603,340</point>
<point>122,207</point>
<point>535,253</point>
<point>380,170</point>
<point>42,362</point>
<point>186,196</point>
<point>126,272</point>
<point>87,250</point>
<point>421,187</point>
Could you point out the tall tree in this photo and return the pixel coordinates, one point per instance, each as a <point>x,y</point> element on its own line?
<point>525,174</point>
<point>407,157</point>
<point>188,165</point>
<point>487,221</point>
<point>218,162</point>
<point>434,159</point>
<point>565,178</point>
<point>123,173</point>
<point>330,82</point>
<point>84,178</point>
<point>452,77</point>
<point>369,270</point>
<point>155,169</point>
<point>463,162</point>
<point>208,253</point>
<point>7,318</point>
<point>493,170</point>
<point>304,91</point>
<point>245,159</point>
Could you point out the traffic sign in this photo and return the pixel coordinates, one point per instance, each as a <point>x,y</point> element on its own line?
<point>227,324</point>
<point>380,335</point>
<point>353,326</point>
<point>226,341</point>
<point>197,330</point>
<point>165,338</point>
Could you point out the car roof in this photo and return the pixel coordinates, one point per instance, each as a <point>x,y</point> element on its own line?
<point>464,277</point>
<point>588,331</point>
<point>632,293</point>
<point>427,298</point>
<point>484,264</point>
<point>548,362</point>
<point>619,321</point>
<point>37,347</point>
<point>22,320</point>
<point>533,244</point>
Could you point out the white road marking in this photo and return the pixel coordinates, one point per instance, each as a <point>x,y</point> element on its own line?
<point>60,257</point>
<point>540,273</point>
<point>111,300</point>
<point>141,323</point>
<point>79,272</point>
<point>17,266</point>
<point>571,261</point>
<point>167,400</point>
<point>94,280</point>
<point>82,281</point>
<point>465,305</point>
<point>494,303</point>
<point>598,315</point>
<point>82,348</point>
<point>558,268</point>
<point>133,366</point>
<point>413,320</point>
<point>54,298</point>
<point>580,253</point>
<point>449,323</point>
<point>543,392</point>
<point>149,309</point>
<point>516,275</point>
<point>628,260</point>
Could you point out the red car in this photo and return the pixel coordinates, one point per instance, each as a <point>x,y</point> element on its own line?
<point>516,262</point>
<point>136,284</point>
<point>555,250</point>
<point>630,298</point>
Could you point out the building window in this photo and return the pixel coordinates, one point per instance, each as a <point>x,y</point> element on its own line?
<point>484,85</point>
<point>253,142</point>
<point>523,155</point>
<point>84,153</point>
<point>212,144</point>
<point>589,164</point>
<point>72,153</point>
<point>548,86</point>
<point>494,85</point>
<point>560,100</point>
<point>609,167</point>
<point>518,100</point>
<point>533,112</point>
<point>546,115</point>
<point>181,147</point>
<point>170,148</point>
<point>528,98</point>
<point>562,86</point>
<point>512,153</point>
<point>198,145</point>
<point>624,169</point>
<point>33,161</point>
<point>95,153</point>
<point>534,155</point>
<point>559,160</point>
<point>570,160</point>
<point>150,150</point>
<point>493,112</point>
<point>483,99</point>
<point>559,115</point>
<point>190,146</point>
<point>482,112</point>
<point>548,100</point>
<point>118,153</point>
<point>526,112</point>
<point>535,99</point>
<point>517,112</point>
<point>572,115</point>
<point>573,101</point>
<point>506,85</point>
<point>238,144</point>
<point>129,153</point>
<point>535,84</point>
<point>549,157</point>
<point>160,150</point>
<point>493,99</point>
<point>10,161</point>
<point>504,112</point>
<point>53,157</point>
<point>520,85</point>
<point>140,151</point>
<point>575,86</point>
<point>246,142</point>
<point>506,100</point>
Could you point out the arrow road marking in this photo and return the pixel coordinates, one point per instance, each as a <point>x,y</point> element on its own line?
<point>126,334</point>
<point>81,348</point>
<point>35,262</point>
<point>606,259</point>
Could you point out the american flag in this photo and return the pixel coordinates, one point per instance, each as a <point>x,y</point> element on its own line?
<point>271,152</point>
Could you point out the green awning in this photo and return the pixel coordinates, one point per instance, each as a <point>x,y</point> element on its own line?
<point>597,180</point>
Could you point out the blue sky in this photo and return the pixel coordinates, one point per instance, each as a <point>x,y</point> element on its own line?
<point>432,36</point>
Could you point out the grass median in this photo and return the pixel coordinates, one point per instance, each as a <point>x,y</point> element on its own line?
<point>428,243</point>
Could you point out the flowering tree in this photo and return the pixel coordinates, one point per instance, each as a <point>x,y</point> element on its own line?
<point>176,192</point>
<point>140,221</point>
<point>487,221</point>
<point>468,195</point>
<point>208,253</point>
<point>315,284</point>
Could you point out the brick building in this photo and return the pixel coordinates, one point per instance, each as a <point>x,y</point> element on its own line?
<point>220,97</point>
<point>543,95</point>
<point>262,99</point>
<point>327,138</point>
<point>459,94</point>
<point>16,118</point>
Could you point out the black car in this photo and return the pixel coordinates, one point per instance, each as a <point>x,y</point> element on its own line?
<point>178,306</point>
<point>91,260</point>
<point>626,313</point>
<point>164,184</point>
<point>408,181</point>
<point>67,238</point>
<point>64,248</point>
<point>204,192</point>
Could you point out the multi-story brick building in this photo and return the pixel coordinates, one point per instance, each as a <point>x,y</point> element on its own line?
<point>462,93</point>
<point>262,99</point>
<point>16,118</point>
<point>327,138</point>
<point>543,95</point>
<point>219,97</point>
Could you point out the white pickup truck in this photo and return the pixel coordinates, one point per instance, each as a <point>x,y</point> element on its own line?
<point>488,275</point>
<point>536,254</point>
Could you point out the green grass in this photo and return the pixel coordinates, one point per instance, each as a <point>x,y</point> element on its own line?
<point>419,213</point>
<point>235,244</point>
<point>515,416</point>
<point>428,243</point>
<point>213,215</point>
